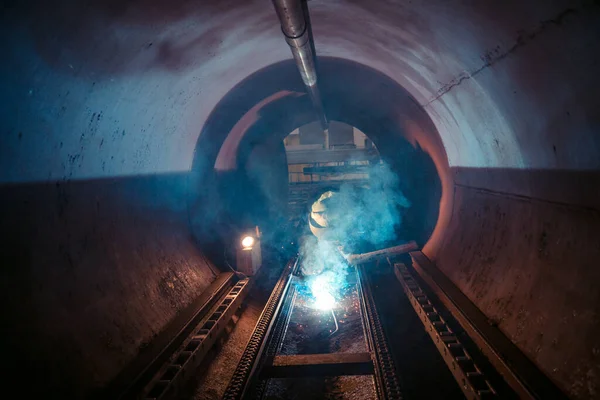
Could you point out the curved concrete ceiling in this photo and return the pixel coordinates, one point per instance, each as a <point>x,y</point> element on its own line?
<point>146,74</point>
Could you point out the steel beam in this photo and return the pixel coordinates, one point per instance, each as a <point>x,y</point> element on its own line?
<point>314,156</point>
<point>383,253</point>
<point>307,365</point>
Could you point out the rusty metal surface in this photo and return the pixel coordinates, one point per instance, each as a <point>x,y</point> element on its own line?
<point>316,332</point>
<point>257,382</point>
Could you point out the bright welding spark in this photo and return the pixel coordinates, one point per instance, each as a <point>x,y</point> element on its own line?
<point>321,289</point>
<point>324,301</point>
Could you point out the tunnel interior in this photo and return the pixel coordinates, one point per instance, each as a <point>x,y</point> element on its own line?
<point>139,139</point>
<point>374,104</point>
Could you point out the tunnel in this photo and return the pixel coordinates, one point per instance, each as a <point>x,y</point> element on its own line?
<point>141,138</point>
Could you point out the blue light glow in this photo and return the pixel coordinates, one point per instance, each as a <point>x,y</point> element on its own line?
<point>321,289</point>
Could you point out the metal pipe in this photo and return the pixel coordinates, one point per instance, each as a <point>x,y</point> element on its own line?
<point>297,35</point>
<point>354,259</point>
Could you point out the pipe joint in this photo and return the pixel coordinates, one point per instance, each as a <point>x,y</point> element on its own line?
<point>291,17</point>
<point>303,55</point>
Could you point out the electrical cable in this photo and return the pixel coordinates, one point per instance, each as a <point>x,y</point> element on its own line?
<point>337,328</point>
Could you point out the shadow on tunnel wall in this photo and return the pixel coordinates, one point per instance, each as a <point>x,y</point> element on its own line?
<point>251,187</point>
<point>419,182</point>
<point>97,276</point>
<point>69,34</point>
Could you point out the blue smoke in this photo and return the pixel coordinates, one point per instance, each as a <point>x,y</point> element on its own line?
<point>358,218</point>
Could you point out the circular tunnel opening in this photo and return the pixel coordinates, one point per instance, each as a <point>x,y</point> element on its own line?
<point>242,178</point>
<point>341,190</point>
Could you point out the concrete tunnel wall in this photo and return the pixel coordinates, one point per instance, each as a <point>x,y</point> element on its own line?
<point>103,104</point>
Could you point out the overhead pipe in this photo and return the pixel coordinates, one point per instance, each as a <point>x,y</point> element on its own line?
<point>297,35</point>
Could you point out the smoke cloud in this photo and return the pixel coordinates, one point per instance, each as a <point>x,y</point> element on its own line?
<point>354,219</point>
<point>360,218</point>
<point>324,267</point>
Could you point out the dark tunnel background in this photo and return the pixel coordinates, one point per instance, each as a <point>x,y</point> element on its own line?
<point>114,113</point>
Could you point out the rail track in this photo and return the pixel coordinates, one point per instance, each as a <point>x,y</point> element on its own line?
<point>269,361</point>
<point>171,377</point>
<point>275,365</point>
<point>342,352</point>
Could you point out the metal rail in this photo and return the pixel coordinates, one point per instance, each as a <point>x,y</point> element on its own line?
<point>261,361</point>
<point>184,362</point>
<point>520,373</point>
<point>471,379</point>
<point>248,366</point>
<point>258,385</point>
<point>386,381</point>
<point>151,359</point>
